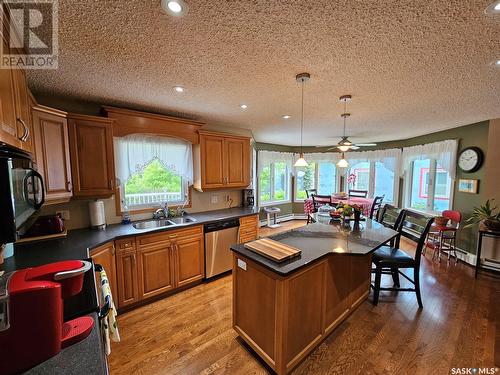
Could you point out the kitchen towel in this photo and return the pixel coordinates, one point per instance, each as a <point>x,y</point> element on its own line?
<point>110,327</point>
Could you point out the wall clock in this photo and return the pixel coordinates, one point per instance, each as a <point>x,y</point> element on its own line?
<point>470,159</point>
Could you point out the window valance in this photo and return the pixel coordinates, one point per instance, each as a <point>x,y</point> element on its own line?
<point>391,158</point>
<point>333,157</point>
<point>444,152</point>
<point>264,158</point>
<point>134,152</point>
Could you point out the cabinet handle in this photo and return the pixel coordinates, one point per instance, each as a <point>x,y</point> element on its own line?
<point>69,186</point>
<point>26,132</point>
<point>113,250</point>
<point>133,257</point>
<point>111,184</point>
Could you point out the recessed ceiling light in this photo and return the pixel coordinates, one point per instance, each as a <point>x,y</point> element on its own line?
<point>243,106</point>
<point>286,117</point>
<point>179,88</point>
<point>497,63</point>
<point>174,7</point>
<point>493,8</point>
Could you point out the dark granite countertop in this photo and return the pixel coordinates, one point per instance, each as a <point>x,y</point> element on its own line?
<point>78,242</point>
<point>321,239</point>
<point>87,356</point>
<point>84,357</point>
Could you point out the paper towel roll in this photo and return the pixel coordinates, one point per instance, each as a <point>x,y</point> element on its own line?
<point>97,216</point>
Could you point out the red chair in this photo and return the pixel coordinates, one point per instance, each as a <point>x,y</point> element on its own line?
<point>442,238</point>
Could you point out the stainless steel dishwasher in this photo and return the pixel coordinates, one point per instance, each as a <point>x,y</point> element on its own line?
<point>219,237</point>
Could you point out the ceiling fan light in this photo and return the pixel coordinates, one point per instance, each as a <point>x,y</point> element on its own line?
<point>344,148</point>
<point>301,162</point>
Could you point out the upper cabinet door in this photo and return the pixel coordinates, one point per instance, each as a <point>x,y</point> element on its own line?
<point>52,153</point>
<point>237,162</point>
<point>212,162</point>
<point>23,110</point>
<point>8,124</point>
<point>91,144</point>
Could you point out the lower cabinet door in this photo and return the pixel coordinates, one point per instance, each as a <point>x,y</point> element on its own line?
<point>190,261</point>
<point>126,270</point>
<point>105,256</point>
<point>155,271</point>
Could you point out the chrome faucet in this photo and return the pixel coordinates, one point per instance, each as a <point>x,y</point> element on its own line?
<point>161,212</point>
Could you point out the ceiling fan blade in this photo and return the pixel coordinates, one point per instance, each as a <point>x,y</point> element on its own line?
<point>355,147</point>
<point>366,144</point>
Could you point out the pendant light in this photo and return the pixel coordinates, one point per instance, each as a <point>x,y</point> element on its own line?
<point>302,78</point>
<point>342,163</point>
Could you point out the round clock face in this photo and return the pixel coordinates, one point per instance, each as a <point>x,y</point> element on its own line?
<point>469,160</point>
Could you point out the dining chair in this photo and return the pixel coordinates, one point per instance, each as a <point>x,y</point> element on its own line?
<point>358,193</point>
<point>320,200</point>
<point>388,260</point>
<point>311,192</point>
<point>442,239</point>
<point>377,203</point>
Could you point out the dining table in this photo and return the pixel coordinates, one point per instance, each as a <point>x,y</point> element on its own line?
<point>365,203</point>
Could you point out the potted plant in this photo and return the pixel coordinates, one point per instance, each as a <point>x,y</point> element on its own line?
<point>487,215</point>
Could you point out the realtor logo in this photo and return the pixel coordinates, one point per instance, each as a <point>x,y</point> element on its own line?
<point>32,29</point>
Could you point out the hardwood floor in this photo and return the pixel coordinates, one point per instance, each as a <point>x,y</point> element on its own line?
<point>190,333</point>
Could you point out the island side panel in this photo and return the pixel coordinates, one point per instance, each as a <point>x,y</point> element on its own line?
<point>338,291</point>
<point>255,296</point>
<point>303,319</point>
<point>361,273</point>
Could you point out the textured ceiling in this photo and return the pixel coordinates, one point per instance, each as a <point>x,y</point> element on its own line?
<point>413,67</point>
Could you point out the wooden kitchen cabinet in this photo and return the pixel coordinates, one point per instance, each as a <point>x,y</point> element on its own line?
<point>23,110</point>
<point>105,256</point>
<point>222,161</point>
<point>126,275</point>
<point>155,270</point>
<point>189,259</point>
<point>154,264</point>
<point>52,153</point>
<point>249,228</point>
<point>92,162</point>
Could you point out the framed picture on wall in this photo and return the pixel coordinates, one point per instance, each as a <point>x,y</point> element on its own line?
<point>468,186</point>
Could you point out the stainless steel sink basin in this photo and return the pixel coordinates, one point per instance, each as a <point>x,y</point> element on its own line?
<point>153,224</point>
<point>161,223</point>
<point>182,220</point>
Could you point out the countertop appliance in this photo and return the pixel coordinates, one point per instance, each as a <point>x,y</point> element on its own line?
<point>21,192</point>
<point>32,326</point>
<point>219,237</point>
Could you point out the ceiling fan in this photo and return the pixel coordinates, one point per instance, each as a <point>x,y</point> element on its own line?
<point>345,144</point>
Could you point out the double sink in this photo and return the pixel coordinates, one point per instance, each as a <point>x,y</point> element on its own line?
<point>161,223</point>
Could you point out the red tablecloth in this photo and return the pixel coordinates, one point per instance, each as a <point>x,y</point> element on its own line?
<point>366,203</point>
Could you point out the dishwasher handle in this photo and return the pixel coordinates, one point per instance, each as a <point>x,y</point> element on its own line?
<point>221,225</point>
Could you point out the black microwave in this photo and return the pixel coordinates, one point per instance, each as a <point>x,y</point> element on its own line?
<point>21,192</point>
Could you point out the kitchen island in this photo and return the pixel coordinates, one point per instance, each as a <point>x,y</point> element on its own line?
<point>284,310</point>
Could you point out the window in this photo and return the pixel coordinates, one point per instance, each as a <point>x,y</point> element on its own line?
<point>321,176</point>
<point>384,182</point>
<point>361,176</point>
<point>305,180</point>
<point>430,186</point>
<point>152,170</point>
<point>274,183</point>
<point>154,185</point>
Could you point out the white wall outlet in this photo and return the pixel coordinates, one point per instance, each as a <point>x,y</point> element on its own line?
<point>214,199</point>
<point>242,264</point>
<point>64,214</point>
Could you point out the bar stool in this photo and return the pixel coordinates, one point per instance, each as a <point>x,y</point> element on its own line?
<point>272,211</point>
<point>442,238</point>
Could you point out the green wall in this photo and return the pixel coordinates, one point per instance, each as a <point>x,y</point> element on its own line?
<point>469,135</point>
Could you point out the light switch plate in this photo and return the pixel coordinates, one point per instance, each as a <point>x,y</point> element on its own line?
<point>214,199</point>
<point>242,264</point>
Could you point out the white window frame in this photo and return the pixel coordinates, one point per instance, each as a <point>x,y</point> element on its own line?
<point>316,179</point>
<point>429,206</point>
<point>371,182</point>
<point>271,182</point>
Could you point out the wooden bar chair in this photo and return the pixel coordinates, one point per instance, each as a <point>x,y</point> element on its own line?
<point>389,260</point>
<point>358,193</point>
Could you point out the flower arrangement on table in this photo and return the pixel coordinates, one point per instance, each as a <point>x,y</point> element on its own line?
<point>346,211</point>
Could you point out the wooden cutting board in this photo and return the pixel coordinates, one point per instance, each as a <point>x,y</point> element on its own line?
<point>274,250</point>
